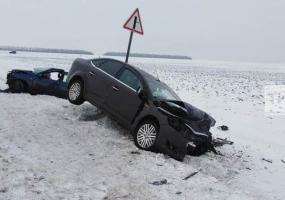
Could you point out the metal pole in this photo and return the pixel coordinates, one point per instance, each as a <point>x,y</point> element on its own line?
<point>129,46</point>
<point>130,40</point>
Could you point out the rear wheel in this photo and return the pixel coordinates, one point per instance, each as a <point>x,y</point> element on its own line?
<point>17,86</point>
<point>145,135</point>
<point>75,92</point>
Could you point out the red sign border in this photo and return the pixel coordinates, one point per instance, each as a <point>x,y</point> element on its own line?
<point>129,19</point>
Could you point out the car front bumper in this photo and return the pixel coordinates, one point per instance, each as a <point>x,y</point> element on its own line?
<point>176,143</point>
<point>172,142</point>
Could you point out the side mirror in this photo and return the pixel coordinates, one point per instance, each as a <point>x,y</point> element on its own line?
<point>142,94</point>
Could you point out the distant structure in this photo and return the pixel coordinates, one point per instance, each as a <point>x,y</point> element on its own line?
<point>145,55</point>
<point>44,50</point>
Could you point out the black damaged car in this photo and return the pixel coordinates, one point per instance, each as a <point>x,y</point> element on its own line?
<point>153,112</point>
<point>49,81</point>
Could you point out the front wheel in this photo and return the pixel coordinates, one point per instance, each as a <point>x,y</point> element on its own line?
<point>75,92</point>
<point>145,135</point>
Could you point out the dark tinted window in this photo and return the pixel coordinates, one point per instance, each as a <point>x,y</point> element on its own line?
<point>98,62</point>
<point>160,90</point>
<point>109,66</point>
<point>130,79</point>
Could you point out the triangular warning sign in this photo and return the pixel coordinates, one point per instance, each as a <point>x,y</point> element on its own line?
<point>134,23</point>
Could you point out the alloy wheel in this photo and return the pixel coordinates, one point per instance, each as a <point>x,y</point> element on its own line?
<point>146,136</point>
<point>74,91</point>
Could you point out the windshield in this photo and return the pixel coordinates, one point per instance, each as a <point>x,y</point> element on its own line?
<point>39,70</point>
<point>160,90</point>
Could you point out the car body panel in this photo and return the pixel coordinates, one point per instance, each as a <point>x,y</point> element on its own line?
<point>99,84</point>
<point>126,97</point>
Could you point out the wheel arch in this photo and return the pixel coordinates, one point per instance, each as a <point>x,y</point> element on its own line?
<point>76,77</point>
<point>148,118</point>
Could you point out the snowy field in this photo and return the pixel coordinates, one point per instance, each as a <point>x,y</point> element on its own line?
<point>50,149</point>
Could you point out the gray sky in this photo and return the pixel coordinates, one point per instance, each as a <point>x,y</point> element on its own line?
<point>243,30</point>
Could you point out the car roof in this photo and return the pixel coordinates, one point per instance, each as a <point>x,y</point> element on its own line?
<point>139,70</point>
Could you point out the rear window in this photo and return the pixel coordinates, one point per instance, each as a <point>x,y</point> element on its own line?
<point>111,67</point>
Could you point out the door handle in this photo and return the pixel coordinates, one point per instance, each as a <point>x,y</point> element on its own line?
<point>91,73</point>
<point>115,88</point>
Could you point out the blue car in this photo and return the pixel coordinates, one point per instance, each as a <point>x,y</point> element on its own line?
<point>49,81</point>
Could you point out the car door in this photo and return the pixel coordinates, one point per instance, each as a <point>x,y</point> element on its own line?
<point>123,99</point>
<point>100,79</point>
<point>44,84</point>
<point>61,89</point>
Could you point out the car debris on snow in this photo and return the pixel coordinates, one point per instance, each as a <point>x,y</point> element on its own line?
<point>220,142</point>
<point>162,182</point>
<point>267,160</point>
<point>191,175</point>
<point>135,152</point>
<point>223,128</point>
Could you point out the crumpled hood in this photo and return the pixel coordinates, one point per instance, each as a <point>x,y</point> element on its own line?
<point>195,114</point>
<point>198,119</point>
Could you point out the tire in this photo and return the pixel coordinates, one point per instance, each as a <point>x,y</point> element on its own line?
<point>17,86</point>
<point>145,135</point>
<point>75,92</point>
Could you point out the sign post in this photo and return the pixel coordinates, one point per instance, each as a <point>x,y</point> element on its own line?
<point>133,24</point>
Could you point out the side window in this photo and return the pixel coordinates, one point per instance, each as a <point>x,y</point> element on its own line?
<point>130,79</point>
<point>111,67</point>
<point>99,62</point>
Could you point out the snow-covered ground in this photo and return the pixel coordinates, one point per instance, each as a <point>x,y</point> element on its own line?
<point>50,149</point>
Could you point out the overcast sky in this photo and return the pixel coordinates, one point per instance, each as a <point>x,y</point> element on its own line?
<point>243,30</point>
